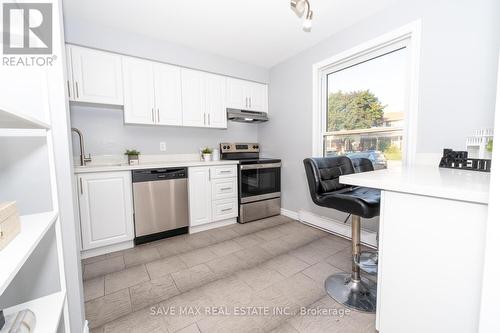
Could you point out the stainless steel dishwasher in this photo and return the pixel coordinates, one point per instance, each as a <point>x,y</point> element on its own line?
<point>160,203</point>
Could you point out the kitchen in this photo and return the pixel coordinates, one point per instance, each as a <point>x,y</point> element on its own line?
<point>294,166</point>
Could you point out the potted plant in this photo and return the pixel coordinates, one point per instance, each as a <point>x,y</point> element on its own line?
<point>207,154</point>
<point>133,156</point>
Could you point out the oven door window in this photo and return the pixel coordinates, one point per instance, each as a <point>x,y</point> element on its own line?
<point>256,182</point>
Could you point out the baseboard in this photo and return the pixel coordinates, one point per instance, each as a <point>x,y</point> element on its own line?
<point>330,225</point>
<point>107,249</point>
<point>289,213</point>
<point>208,226</point>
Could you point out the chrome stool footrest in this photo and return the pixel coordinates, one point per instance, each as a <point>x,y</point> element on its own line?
<point>367,262</point>
<point>359,294</point>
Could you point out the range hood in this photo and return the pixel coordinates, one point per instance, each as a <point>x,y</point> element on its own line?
<point>244,116</point>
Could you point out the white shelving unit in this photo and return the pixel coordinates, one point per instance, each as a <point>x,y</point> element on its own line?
<point>47,309</point>
<point>15,120</point>
<point>13,257</point>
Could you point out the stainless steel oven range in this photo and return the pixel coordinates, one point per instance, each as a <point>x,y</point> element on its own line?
<point>259,181</point>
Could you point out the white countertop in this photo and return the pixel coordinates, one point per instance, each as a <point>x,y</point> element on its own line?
<point>150,165</point>
<point>463,185</point>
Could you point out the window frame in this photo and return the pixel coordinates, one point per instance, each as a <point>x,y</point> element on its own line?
<point>408,37</point>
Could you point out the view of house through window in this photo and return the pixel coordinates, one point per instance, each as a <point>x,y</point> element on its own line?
<point>366,105</point>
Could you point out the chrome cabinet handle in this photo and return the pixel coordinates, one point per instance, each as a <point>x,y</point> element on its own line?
<point>69,89</point>
<point>153,114</point>
<point>77,92</point>
<point>158,114</point>
<point>226,209</point>
<point>225,188</point>
<point>209,119</point>
<point>204,118</point>
<point>246,101</point>
<point>250,101</point>
<point>81,186</point>
<point>225,171</point>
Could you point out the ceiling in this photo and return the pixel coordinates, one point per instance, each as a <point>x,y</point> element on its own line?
<point>259,32</point>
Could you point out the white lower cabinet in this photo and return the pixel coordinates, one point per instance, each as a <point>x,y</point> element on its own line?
<point>105,201</point>
<point>213,196</point>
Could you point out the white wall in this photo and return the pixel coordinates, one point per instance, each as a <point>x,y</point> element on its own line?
<point>460,40</point>
<point>105,133</point>
<point>103,127</point>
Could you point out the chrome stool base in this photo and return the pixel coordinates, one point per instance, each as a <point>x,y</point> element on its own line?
<point>358,295</point>
<point>368,262</point>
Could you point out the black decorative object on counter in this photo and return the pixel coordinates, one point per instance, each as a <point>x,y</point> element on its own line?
<point>459,160</point>
<point>2,319</point>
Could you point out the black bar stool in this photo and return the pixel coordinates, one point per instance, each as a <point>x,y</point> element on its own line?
<point>349,289</point>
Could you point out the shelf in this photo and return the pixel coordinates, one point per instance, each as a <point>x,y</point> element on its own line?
<point>47,309</point>
<point>13,257</point>
<point>15,120</point>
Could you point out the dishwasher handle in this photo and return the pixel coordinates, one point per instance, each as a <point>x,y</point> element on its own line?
<point>149,175</point>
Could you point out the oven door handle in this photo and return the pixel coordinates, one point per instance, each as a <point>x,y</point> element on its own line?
<point>260,166</point>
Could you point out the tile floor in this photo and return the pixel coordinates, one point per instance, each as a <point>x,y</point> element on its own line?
<point>263,276</point>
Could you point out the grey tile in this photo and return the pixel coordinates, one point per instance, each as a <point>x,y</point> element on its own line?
<point>286,265</point>
<point>93,288</point>
<point>254,255</point>
<point>297,240</point>
<point>269,234</point>
<point>285,328</point>
<point>152,292</point>
<point>228,292</point>
<point>276,247</point>
<point>97,330</point>
<point>105,309</point>
<point>165,266</point>
<point>103,267</point>
<point>200,239</point>
<point>260,277</point>
<point>320,271</point>
<point>302,290</point>
<point>221,235</point>
<point>126,278</point>
<point>341,260</point>
<point>193,277</point>
<point>283,308</point>
<point>224,248</point>
<point>310,253</point>
<point>138,322</point>
<point>230,324</point>
<point>188,300</point>
<point>101,257</point>
<point>248,241</point>
<point>248,228</point>
<point>227,265</point>
<point>173,246</point>
<point>329,245</point>
<point>190,329</point>
<point>140,255</point>
<point>196,257</point>
<point>337,320</point>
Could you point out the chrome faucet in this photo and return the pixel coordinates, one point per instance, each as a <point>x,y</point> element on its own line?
<point>83,158</point>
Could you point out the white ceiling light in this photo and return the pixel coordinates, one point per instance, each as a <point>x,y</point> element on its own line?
<point>300,7</point>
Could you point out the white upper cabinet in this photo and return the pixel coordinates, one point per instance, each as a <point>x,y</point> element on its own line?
<point>193,98</point>
<point>216,101</point>
<point>94,76</point>
<point>168,102</point>
<point>246,95</point>
<point>138,85</point>
<point>203,99</point>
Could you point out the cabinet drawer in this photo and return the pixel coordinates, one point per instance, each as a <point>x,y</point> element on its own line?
<point>223,171</point>
<point>224,209</point>
<point>224,188</point>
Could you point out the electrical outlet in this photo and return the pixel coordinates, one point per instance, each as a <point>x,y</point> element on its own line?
<point>163,146</point>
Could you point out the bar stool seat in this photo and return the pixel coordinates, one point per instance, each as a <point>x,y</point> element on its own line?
<point>349,289</point>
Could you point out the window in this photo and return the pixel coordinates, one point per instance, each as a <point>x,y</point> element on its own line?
<point>367,101</point>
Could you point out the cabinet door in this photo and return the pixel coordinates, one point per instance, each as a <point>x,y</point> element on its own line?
<point>193,98</point>
<point>257,97</point>
<point>138,83</point>
<point>216,101</point>
<point>167,81</point>
<point>97,76</point>
<point>237,94</point>
<point>200,196</point>
<point>105,208</point>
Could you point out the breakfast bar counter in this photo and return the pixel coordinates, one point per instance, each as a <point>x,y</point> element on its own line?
<point>431,245</point>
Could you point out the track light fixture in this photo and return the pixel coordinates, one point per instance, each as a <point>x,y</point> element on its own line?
<point>300,7</point>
